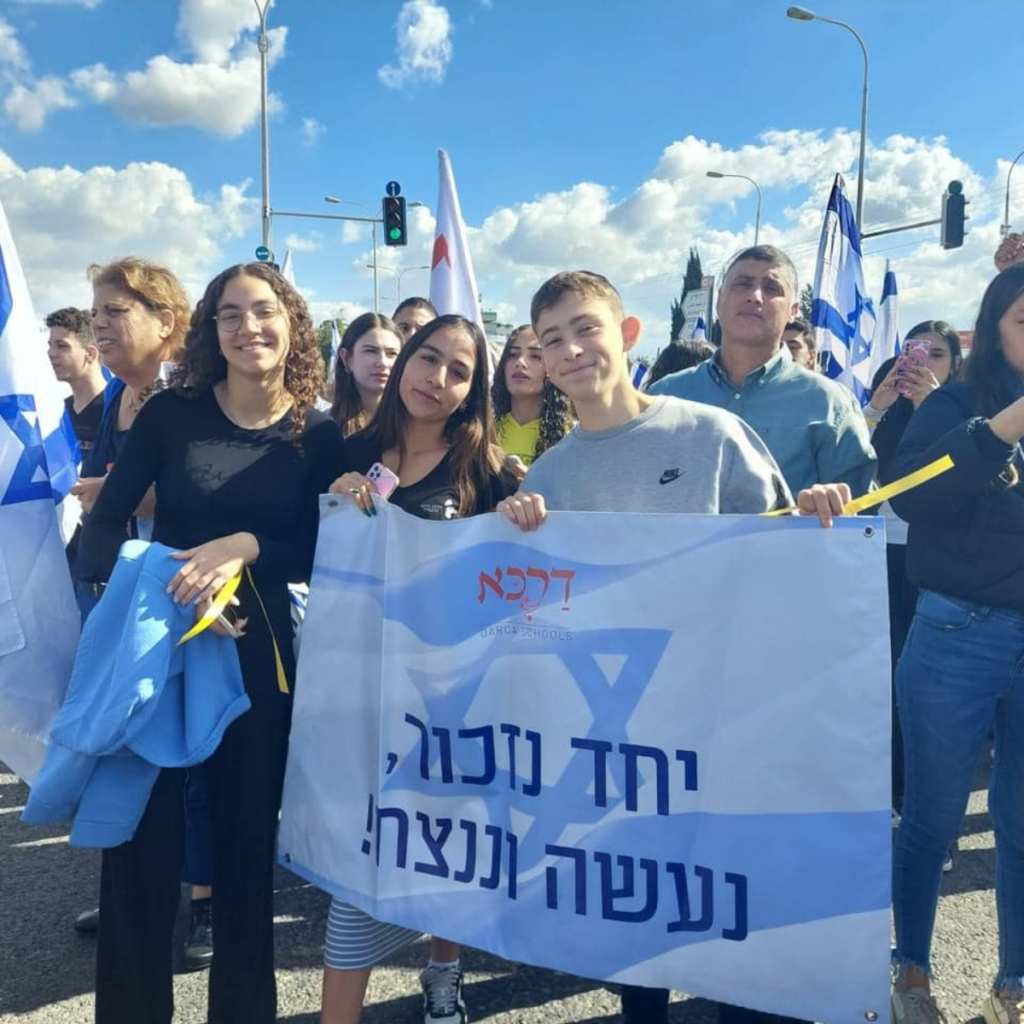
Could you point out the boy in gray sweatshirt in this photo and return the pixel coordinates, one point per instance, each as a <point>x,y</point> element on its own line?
<point>632,452</point>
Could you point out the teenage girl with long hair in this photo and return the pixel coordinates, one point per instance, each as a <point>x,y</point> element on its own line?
<point>960,672</point>
<point>434,430</point>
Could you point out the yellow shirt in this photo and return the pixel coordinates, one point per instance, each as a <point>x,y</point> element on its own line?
<point>518,439</point>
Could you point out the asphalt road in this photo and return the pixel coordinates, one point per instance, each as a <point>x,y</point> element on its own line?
<point>46,970</point>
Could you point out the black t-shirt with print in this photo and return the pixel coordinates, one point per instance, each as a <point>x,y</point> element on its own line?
<point>86,423</point>
<point>436,496</point>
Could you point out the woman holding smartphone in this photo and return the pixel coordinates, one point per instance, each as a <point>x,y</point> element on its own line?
<point>432,449</point>
<point>960,671</point>
<point>238,457</point>
<point>899,396</point>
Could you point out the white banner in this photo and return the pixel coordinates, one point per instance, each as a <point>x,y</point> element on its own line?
<point>648,749</point>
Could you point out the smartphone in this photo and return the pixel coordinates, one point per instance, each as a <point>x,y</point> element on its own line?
<point>382,479</point>
<point>914,355</point>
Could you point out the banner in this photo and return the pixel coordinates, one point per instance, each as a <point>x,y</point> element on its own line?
<point>39,619</point>
<point>646,749</point>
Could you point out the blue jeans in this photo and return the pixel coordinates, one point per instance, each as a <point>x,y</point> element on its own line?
<point>962,671</point>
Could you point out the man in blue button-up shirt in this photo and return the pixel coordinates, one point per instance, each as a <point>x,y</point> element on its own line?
<point>812,426</point>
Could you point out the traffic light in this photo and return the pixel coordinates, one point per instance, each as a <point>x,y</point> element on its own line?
<point>394,221</point>
<point>951,234</point>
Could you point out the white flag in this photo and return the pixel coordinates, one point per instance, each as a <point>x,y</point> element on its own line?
<point>887,332</point>
<point>288,269</point>
<point>700,330</point>
<point>452,278</point>
<point>39,621</point>
<point>842,314</point>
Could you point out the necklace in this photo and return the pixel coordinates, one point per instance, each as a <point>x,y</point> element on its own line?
<point>133,406</point>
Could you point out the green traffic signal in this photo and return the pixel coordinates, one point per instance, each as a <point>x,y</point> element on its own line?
<point>394,221</point>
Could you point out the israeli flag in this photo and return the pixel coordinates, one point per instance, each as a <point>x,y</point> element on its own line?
<point>887,334</point>
<point>842,314</point>
<point>639,374</point>
<point>39,620</point>
<point>700,330</point>
<point>335,348</point>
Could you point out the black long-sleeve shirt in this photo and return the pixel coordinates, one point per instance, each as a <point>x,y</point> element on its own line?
<point>214,478</point>
<point>967,527</point>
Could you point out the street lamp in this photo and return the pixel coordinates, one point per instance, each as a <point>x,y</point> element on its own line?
<point>1005,230</point>
<point>802,14</point>
<point>757,217</point>
<point>373,225</point>
<point>399,273</point>
<point>264,45</point>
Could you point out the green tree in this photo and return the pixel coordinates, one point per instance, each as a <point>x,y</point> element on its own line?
<point>806,300</point>
<point>691,282</point>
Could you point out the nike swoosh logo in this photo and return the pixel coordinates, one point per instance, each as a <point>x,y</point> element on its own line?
<point>669,475</point>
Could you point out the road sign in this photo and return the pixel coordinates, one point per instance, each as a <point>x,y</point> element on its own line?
<point>263,253</point>
<point>392,188</point>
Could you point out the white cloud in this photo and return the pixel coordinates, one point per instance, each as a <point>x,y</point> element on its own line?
<point>12,53</point>
<point>423,46</point>
<point>97,81</point>
<point>63,219</point>
<point>212,28</point>
<point>219,98</point>
<point>342,309</point>
<point>640,240</point>
<point>312,130</point>
<point>299,244</point>
<point>217,92</point>
<point>28,105</point>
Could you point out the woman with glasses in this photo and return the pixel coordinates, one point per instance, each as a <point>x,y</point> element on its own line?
<point>238,457</point>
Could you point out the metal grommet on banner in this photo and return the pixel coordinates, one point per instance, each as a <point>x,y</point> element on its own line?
<point>869,531</point>
<point>870,1015</point>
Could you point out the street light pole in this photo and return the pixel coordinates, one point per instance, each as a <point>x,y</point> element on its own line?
<point>757,217</point>
<point>1005,230</point>
<point>353,202</point>
<point>399,273</point>
<point>264,45</point>
<point>802,14</point>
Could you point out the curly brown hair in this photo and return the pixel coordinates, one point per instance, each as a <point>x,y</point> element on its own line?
<point>203,364</point>
<point>556,414</point>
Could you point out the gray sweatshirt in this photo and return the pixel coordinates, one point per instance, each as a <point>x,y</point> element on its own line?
<point>676,456</point>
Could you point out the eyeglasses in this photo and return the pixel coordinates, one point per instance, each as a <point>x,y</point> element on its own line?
<point>230,321</point>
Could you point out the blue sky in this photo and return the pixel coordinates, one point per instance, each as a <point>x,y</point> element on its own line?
<point>580,134</point>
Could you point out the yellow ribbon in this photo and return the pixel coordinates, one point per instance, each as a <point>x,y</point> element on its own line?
<point>220,602</point>
<point>282,679</point>
<point>872,498</point>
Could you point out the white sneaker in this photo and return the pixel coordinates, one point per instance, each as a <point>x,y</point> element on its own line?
<point>442,996</point>
<point>918,1006</point>
<point>1003,1008</point>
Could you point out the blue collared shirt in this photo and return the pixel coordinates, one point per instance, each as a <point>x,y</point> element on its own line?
<point>812,426</point>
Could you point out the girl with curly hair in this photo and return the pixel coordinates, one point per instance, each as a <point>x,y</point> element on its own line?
<point>369,348</point>
<point>531,413</point>
<point>239,458</point>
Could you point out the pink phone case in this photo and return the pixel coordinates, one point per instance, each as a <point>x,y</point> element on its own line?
<point>383,480</point>
<point>914,355</point>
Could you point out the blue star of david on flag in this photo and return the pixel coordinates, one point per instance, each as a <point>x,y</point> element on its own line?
<point>30,481</point>
<point>842,313</point>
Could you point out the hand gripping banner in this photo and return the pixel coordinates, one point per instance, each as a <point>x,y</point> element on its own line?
<point>644,749</point>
